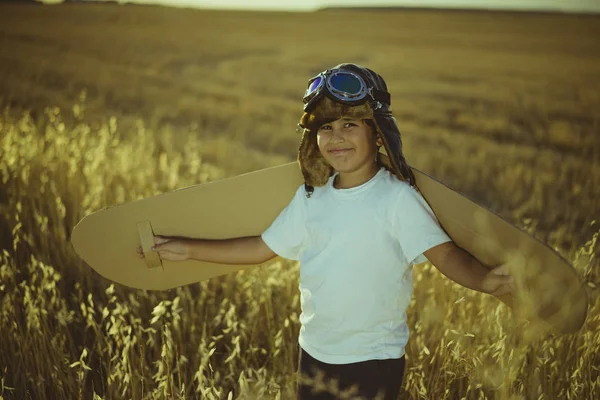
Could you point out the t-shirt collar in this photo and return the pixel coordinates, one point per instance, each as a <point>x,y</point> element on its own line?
<point>350,192</point>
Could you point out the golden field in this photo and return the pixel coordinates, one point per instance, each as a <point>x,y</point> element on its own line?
<point>106,104</point>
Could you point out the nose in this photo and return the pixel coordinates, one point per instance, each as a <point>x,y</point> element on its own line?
<point>336,134</point>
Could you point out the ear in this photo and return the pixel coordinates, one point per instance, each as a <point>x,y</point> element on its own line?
<point>379,142</point>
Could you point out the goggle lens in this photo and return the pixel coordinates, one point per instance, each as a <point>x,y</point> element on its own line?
<point>346,83</point>
<point>314,85</point>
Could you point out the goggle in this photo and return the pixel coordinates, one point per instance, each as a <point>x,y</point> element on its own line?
<point>344,86</point>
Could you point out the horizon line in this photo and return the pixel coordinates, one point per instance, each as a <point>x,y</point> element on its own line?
<point>374,7</point>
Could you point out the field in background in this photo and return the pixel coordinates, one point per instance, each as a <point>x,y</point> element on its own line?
<point>502,107</point>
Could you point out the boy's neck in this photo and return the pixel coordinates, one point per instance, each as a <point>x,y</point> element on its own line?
<point>353,179</point>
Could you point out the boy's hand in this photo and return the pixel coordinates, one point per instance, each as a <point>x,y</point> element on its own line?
<point>498,282</point>
<point>170,249</point>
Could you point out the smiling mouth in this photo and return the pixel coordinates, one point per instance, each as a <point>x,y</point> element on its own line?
<point>340,152</point>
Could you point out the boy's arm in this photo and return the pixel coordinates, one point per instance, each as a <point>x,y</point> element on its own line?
<point>460,266</point>
<point>244,250</point>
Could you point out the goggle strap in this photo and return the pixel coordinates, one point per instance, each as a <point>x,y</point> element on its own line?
<point>384,97</point>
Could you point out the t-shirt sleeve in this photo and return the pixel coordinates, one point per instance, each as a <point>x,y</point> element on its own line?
<point>287,233</point>
<point>416,226</point>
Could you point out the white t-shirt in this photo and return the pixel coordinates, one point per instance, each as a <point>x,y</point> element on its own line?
<point>356,249</point>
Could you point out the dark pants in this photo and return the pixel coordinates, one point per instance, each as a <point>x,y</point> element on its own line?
<point>371,377</point>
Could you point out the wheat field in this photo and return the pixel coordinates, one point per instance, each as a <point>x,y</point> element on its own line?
<point>103,104</point>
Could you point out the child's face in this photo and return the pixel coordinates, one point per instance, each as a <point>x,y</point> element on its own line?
<point>348,144</point>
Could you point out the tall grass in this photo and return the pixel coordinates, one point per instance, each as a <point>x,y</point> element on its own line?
<point>66,332</point>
